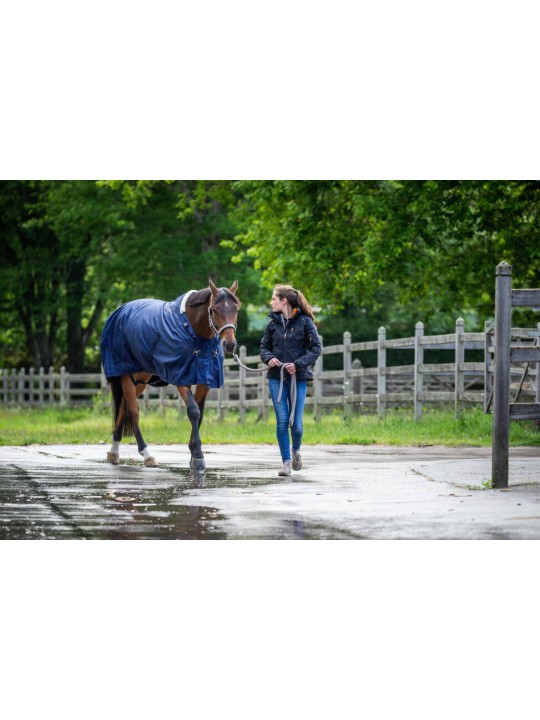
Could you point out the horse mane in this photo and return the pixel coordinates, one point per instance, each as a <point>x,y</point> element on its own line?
<point>202,297</point>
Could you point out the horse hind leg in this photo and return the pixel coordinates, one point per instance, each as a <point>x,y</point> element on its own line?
<point>131,392</point>
<point>119,419</point>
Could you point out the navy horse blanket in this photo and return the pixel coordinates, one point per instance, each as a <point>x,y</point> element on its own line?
<point>157,337</point>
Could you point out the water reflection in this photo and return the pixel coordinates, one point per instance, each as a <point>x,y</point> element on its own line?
<point>125,503</point>
<point>196,479</point>
<point>179,522</point>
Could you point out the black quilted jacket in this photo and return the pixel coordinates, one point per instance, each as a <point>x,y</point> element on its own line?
<point>295,340</point>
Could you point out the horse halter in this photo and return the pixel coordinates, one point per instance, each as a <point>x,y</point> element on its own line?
<point>213,327</point>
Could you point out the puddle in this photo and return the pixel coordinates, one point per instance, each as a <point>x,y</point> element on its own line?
<point>90,502</point>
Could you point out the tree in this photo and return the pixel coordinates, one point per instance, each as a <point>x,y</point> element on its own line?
<point>73,251</point>
<point>86,220</point>
<point>427,245</point>
<point>29,272</point>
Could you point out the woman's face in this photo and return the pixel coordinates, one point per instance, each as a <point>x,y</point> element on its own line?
<point>278,304</point>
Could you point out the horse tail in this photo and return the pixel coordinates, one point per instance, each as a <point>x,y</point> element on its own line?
<point>118,400</point>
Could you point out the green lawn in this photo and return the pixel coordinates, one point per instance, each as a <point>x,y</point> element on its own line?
<point>25,427</point>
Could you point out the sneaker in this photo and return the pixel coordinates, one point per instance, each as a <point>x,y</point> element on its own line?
<point>296,460</point>
<point>286,469</point>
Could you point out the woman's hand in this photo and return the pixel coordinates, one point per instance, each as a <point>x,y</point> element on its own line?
<point>274,362</point>
<point>290,368</point>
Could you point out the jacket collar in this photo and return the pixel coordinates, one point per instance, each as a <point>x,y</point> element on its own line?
<point>279,317</point>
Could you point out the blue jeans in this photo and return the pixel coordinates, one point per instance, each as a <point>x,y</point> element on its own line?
<point>283,411</point>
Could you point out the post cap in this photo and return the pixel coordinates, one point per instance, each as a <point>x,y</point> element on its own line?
<point>504,268</point>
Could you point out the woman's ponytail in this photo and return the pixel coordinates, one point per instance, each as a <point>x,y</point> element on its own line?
<point>295,298</point>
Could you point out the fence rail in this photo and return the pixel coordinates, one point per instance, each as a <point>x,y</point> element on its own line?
<point>340,378</point>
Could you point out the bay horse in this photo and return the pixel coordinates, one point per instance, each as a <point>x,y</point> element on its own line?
<point>152,342</point>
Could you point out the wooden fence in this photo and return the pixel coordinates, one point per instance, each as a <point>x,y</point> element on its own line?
<point>341,379</point>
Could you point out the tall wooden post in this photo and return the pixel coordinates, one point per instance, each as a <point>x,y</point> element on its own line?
<point>41,387</point>
<point>488,375</point>
<point>242,385</point>
<point>63,387</point>
<point>501,392</point>
<point>31,379</point>
<point>418,373</point>
<point>264,394</point>
<point>347,366</point>
<point>22,383</point>
<point>381,371</point>
<point>459,359</point>
<point>358,385</point>
<point>51,393</point>
<point>318,385</point>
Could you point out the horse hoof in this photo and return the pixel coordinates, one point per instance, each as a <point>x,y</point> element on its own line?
<point>150,461</point>
<point>197,464</point>
<point>113,458</point>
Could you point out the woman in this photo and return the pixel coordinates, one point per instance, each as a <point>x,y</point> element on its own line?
<point>290,346</point>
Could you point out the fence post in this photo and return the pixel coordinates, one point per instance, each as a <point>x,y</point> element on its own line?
<point>31,377</point>
<point>418,371</point>
<point>5,386</point>
<point>13,386</point>
<point>145,397</point>
<point>501,390</point>
<point>242,385</point>
<point>318,385</point>
<point>103,384</point>
<point>51,385</point>
<point>221,392</point>
<point>264,394</point>
<point>459,378</point>
<point>63,386</point>
<point>381,371</point>
<point>20,388</point>
<point>488,375</point>
<point>162,401</point>
<point>41,387</point>
<point>358,385</point>
<point>181,407</point>
<point>347,362</point>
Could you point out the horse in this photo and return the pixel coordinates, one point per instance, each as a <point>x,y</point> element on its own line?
<point>182,343</point>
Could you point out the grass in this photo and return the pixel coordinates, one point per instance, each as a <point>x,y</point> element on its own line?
<point>437,427</point>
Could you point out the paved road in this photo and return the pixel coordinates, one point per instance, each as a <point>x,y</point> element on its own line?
<point>343,492</point>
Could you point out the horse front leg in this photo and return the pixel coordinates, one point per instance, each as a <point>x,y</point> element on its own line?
<point>201,391</point>
<point>195,408</point>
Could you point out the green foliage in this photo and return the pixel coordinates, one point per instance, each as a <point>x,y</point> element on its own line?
<point>365,253</point>
<point>429,246</point>
<point>73,251</point>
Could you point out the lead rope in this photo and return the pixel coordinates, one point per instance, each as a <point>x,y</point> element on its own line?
<point>281,380</point>
<point>293,392</point>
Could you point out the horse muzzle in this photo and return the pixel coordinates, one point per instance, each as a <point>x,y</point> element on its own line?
<point>228,345</point>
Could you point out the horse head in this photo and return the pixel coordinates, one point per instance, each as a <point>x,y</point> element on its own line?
<point>223,314</point>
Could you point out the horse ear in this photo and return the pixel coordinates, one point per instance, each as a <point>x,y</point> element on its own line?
<point>212,287</point>
<point>234,287</point>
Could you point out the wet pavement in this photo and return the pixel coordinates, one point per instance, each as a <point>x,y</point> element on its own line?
<point>343,492</point>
